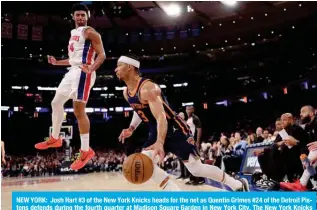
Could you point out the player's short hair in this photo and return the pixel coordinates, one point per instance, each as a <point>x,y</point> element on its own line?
<point>80,7</point>
<point>134,57</point>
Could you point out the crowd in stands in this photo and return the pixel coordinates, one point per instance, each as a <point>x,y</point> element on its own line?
<point>53,164</point>
<point>280,162</point>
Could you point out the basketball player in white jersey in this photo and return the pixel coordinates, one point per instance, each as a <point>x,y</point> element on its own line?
<point>84,44</point>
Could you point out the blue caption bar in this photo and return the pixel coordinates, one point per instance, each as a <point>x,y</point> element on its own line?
<point>163,201</point>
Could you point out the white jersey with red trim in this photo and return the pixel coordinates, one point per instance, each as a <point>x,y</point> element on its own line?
<point>80,50</point>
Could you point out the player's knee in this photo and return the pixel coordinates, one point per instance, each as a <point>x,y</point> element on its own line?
<point>56,105</point>
<point>79,110</point>
<point>194,166</point>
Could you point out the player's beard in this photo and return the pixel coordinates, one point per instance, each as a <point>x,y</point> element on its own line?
<point>305,120</point>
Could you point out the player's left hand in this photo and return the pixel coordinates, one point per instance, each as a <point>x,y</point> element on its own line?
<point>85,68</point>
<point>158,150</point>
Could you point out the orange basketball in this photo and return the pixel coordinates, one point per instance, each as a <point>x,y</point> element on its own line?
<point>137,168</point>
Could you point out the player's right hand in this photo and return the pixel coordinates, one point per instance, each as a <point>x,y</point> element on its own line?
<point>51,60</point>
<point>126,133</point>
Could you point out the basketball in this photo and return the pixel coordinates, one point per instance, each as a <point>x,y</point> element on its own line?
<point>137,168</point>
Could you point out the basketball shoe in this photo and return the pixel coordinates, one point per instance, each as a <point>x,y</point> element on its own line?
<point>49,143</point>
<point>82,159</point>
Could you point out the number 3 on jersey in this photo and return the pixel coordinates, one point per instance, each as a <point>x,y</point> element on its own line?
<point>142,116</point>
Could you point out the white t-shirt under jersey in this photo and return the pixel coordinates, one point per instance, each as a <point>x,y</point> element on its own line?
<point>80,50</point>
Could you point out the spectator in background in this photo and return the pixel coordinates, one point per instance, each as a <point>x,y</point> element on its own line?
<point>251,138</point>
<point>266,136</point>
<point>292,147</point>
<point>259,135</point>
<point>195,125</point>
<point>270,159</point>
<point>183,169</point>
<point>233,162</point>
<point>308,118</point>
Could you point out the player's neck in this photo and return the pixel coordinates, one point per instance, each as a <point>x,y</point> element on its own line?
<point>133,82</point>
<point>77,26</point>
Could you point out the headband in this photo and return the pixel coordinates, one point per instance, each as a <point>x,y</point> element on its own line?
<point>130,61</point>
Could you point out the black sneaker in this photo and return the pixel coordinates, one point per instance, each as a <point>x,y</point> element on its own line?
<point>245,185</point>
<point>190,182</point>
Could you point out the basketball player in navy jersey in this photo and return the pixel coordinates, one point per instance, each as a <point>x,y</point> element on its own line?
<point>151,107</point>
<point>84,44</point>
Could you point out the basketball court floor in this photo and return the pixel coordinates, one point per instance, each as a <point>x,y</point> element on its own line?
<point>107,181</point>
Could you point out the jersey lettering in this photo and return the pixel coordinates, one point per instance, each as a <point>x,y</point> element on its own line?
<point>71,47</point>
<point>142,116</point>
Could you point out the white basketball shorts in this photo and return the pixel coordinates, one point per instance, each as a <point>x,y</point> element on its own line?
<point>76,84</point>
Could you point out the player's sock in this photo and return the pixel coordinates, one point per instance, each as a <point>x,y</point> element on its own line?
<point>58,114</point>
<point>84,141</point>
<point>160,177</point>
<point>212,172</point>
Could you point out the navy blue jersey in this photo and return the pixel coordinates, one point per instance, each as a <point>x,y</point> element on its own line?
<point>144,112</point>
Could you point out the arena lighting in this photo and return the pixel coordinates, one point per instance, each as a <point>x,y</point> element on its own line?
<point>224,102</point>
<point>16,87</point>
<point>128,109</point>
<point>172,10</point>
<point>272,32</point>
<point>188,104</point>
<point>119,88</point>
<point>264,95</point>
<point>189,9</point>
<point>181,85</point>
<point>46,88</point>
<point>4,108</point>
<point>89,110</point>
<point>99,88</point>
<point>104,110</point>
<point>110,109</point>
<point>119,109</point>
<point>230,3</point>
<point>162,86</point>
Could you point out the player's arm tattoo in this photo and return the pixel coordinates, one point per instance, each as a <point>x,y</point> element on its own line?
<point>151,93</point>
<point>97,44</point>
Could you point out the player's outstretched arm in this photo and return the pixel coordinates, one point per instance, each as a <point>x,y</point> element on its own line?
<point>152,94</point>
<point>97,44</point>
